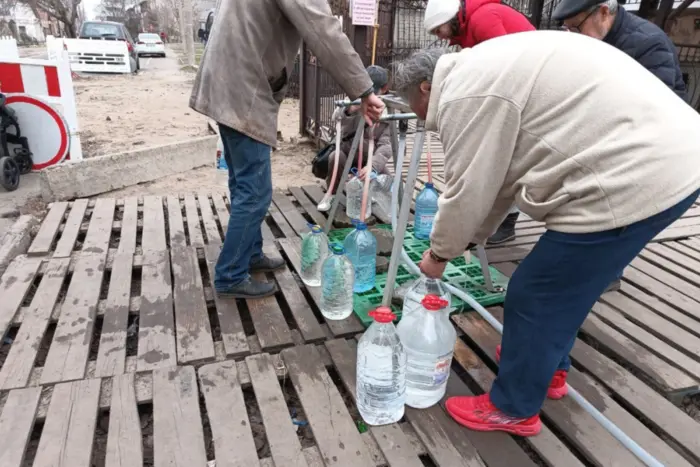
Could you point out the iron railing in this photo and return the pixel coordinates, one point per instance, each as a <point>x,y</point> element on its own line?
<point>689,56</point>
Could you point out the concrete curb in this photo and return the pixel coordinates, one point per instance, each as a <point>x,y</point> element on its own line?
<point>97,175</point>
<point>16,240</point>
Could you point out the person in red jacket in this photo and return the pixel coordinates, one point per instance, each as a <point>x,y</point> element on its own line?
<point>470,22</point>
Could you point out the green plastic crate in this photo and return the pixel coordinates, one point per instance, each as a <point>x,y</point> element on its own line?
<point>457,272</point>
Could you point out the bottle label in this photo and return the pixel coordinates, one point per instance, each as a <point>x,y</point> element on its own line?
<point>426,219</point>
<point>442,368</point>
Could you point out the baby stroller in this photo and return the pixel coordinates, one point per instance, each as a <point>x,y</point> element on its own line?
<point>19,162</point>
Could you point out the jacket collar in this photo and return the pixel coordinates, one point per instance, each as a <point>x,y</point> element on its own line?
<point>614,34</point>
<point>442,70</point>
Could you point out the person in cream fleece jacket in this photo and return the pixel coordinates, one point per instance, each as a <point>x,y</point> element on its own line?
<point>576,134</point>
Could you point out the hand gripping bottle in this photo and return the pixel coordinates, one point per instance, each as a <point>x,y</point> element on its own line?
<point>421,287</point>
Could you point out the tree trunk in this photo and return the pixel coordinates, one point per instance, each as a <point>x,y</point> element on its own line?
<point>187,31</point>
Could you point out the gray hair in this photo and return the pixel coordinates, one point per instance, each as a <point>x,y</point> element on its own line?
<point>418,67</point>
<point>611,4</point>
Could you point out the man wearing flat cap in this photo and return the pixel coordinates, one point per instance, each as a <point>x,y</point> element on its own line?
<point>640,39</point>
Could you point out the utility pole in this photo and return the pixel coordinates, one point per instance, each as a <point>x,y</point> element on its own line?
<point>187,31</point>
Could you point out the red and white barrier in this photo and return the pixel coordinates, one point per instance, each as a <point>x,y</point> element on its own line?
<point>41,92</point>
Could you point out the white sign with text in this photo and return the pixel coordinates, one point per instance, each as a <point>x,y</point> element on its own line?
<point>364,12</point>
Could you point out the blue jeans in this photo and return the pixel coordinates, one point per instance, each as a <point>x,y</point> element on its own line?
<point>250,184</point>
<point>548,298</point>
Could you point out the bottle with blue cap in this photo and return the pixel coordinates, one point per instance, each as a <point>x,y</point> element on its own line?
<point>337,283</point>
<point>426,209</point>
<point>361,248</point>
<point>314,251</point>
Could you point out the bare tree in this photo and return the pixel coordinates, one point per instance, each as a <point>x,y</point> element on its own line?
<point>7,7</point>
<point>64,11</point>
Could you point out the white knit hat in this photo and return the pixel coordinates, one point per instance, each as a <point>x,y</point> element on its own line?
<point>439,12</point>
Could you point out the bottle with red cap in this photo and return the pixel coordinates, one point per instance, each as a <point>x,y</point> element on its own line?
<point>429,338</point>
<point>381,371</point>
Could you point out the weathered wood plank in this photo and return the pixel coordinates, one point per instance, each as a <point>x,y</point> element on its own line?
<point>210,227</point>
<point>153,236</point>
<point>20,360</point>
<point>663,349</point>
<point>221,210</point>
<point>14,286</point>
<point>233,441</point>
<point>332,426</point>
<point>194,339</point>
<point>281,433</point>
<point>656,286</point>
<point>111,354</point>
<point>391,439</point>
<point>339,328</point>
<point>178,437</point>
<point>49,229</point>
<point>127,241</point>
<point>176,227</point>
<point>230,324</point>
<point>124,446</point>
<point>156,347</point>
<point>281,222</point>
<point>16,424</point>
<point>100,229</point>
<point>668,378</point>
<point>70,348</point>
<point>681,285</point>
<point>308,206</point>
<point>293,216</point>
<point>270,326</point>
<point>307,323</point>
<point>192,217</point>
<point>65,244</point>
<point>69,430</point>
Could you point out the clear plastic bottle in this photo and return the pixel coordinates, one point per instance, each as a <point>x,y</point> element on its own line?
<point>380,187</point>
<point>421,287</point>
<point>381,371</point>
<point>426,208</point>
<point>429,339</point>
<point>353,197</point>
<point>314,251</point>
<point>337,284</point>
<point>361,249</point>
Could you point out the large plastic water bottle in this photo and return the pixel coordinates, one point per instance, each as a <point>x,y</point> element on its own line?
<point>380,187</point>
<point>429,339</point>
<point>421,287</point>
<point>426,208</point>
<point>361,249</point>
<point>381,371</point>
<point>353,197</point>
<point>314,251</point>
<point>336,285</point>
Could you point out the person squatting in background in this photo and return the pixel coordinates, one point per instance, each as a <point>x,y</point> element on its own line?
<point>467,23</point>
<point>544,121</point>
<point>382,140</point>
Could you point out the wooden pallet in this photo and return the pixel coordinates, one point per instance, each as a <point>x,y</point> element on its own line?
<point>113,323</point>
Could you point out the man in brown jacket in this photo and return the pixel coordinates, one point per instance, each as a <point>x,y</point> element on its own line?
<point>241,83</point>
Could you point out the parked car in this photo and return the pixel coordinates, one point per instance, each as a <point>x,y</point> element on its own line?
<point>111,31</point>
<point>150,44</point>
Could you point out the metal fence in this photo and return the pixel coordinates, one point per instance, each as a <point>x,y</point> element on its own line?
<point>689,56</point>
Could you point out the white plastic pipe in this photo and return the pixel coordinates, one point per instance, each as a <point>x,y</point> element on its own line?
<point>613,429</point>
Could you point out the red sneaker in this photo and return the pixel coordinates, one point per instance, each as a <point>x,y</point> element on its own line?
<point>557,387</point>
<point>479,414</point>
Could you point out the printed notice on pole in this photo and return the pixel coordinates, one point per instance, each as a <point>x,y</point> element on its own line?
<point>363,12</point>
